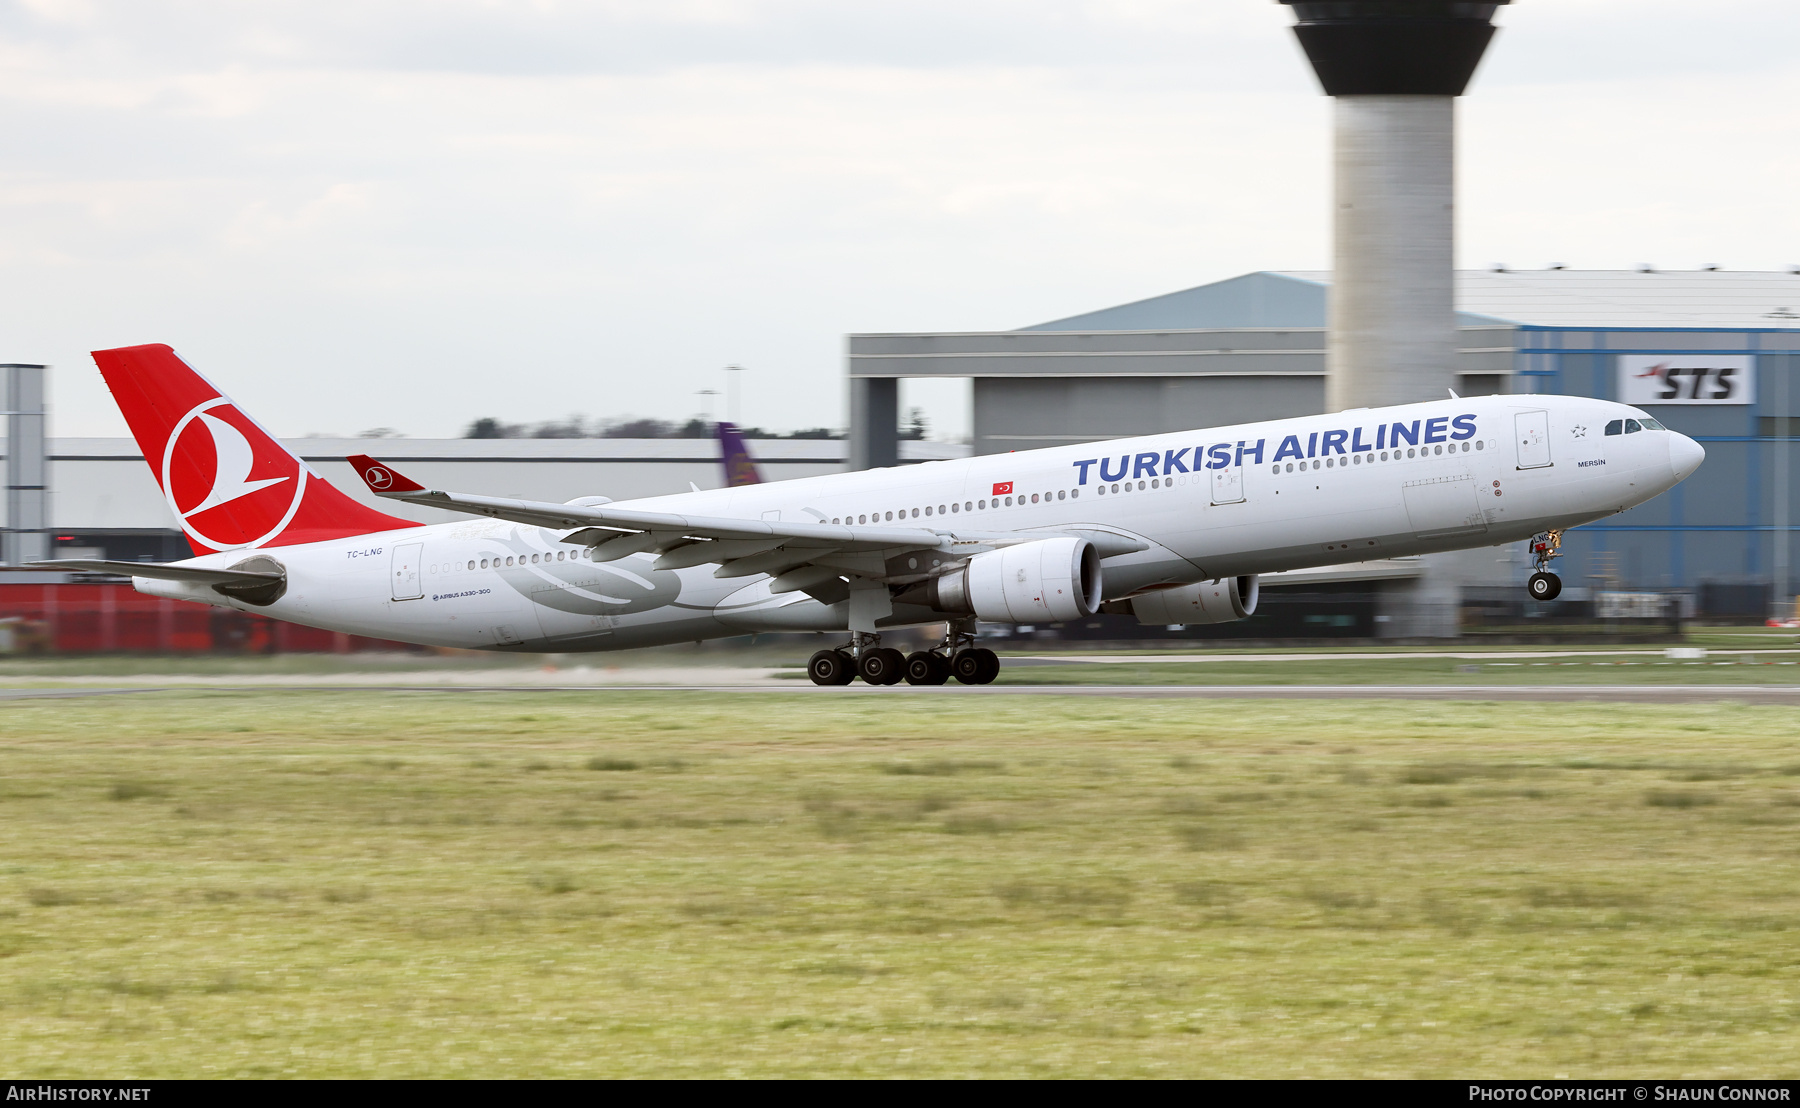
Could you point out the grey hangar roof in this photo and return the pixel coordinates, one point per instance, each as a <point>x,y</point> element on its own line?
<point>1270,326</point>
<point>1563,298</point>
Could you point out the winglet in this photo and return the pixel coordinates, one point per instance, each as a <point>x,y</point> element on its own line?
<point>1453,395</point>
<point>383,479</point>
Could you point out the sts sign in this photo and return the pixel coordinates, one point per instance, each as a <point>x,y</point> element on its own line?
<point>1686,379</point>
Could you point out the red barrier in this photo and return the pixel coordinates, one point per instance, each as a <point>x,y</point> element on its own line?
<point>117,619</point>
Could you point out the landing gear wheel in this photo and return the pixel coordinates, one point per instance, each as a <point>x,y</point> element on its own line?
<point>976,666</point>
<point>990,666</point>
<point>882,666</point>
<point>1544,586</point>
<point>927,667</point>
<point>831,667</point>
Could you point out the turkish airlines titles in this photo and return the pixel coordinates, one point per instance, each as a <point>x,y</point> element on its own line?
<point>1318,444</point>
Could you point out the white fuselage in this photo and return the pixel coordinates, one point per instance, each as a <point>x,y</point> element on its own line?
<point>1264,497</point>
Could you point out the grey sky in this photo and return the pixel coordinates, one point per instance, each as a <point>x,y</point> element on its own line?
<point>411,214</point>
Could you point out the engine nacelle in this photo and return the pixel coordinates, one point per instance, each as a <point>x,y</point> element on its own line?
<point>1047,581</point>
<point>1206,602</point>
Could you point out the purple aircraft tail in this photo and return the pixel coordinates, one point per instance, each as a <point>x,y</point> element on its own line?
<point>740,467</point>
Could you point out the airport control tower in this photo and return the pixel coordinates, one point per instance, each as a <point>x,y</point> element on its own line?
<point>1394,69</point>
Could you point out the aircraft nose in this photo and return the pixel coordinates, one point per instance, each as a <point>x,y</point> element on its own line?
<point>1685,455</point>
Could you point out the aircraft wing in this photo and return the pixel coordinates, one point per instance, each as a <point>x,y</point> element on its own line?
<point>826,561</point>
<point>740,547</point>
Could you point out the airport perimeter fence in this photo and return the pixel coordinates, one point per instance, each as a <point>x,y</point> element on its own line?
<point>114,618</point>
<point>107,617</point>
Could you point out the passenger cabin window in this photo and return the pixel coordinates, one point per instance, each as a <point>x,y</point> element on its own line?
<point>1616,427</point>
<point>1632,427</point>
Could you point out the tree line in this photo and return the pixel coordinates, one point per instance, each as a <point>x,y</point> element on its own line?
<point>631,427</point>
<point>577,427</point>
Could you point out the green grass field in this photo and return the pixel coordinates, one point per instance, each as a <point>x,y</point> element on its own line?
<point>583,884</point>
<point>1349,669</point>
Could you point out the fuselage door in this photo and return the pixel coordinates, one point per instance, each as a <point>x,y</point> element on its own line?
<point>1531,432</point>
<point>1228,484</point>
<point>408,585</point>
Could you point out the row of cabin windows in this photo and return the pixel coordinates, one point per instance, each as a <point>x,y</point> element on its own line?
<point>1633,426</point>
<point>496,563</point>
<point>997,502</point>
<point>1357,459</point>
<point>872,517</point>
<point>1019,500</point>
<point>955,509</point>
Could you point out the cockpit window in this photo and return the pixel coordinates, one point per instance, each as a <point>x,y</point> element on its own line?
<point>1652,425</point>
<point>1616,427</point>
<point>1632,427</point>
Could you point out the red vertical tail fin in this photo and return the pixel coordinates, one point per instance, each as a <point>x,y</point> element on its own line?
<point>231,484</point>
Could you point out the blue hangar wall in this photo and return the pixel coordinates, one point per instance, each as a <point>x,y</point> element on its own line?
<point>1727,522</point>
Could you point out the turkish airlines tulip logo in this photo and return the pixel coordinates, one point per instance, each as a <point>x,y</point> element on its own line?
<point>227,481</point>
<point>378,478</point>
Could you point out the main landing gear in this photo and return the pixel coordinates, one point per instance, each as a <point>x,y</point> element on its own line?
<point>1544,585</point>
<point>957,656</point>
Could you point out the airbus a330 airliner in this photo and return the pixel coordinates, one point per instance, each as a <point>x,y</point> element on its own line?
<point>1170,528</point>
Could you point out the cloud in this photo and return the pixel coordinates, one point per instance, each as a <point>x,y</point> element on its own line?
<point>476,36</point>
<point>412,214</point>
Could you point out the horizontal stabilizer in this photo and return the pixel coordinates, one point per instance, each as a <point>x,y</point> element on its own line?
<point>162,572</point>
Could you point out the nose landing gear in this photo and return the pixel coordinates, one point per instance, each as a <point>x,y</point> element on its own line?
<point>1544,585</point>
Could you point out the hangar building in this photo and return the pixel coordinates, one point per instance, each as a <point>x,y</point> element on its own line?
<point>101,500</point>
<point>1253,347</point>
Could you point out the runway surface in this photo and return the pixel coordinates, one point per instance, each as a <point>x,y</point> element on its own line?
<point>1631,694</point>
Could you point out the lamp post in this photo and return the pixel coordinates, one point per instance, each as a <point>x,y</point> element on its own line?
<point>731,392</point>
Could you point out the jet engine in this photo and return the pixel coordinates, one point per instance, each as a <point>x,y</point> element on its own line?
<point>1206,602</point>
<point>1047,581</point>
